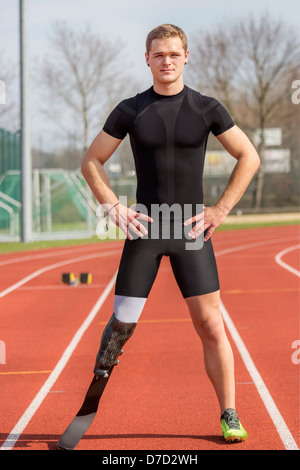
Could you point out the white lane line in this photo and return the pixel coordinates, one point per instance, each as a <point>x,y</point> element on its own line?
<point>54,266</point>
<point>62,287</point>
<point>279,423</point>
<point>49,254</point>
<point>250,245</point>
<point>285,265</point>
<point>39,398</point>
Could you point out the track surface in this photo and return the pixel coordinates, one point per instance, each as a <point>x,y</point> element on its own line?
<point>159,397</point>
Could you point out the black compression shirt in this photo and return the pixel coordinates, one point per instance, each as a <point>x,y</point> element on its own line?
<point>168,135</point>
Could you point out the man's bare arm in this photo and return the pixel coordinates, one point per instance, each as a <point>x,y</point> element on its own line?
<point>92,169</point>
<point>239,146</point>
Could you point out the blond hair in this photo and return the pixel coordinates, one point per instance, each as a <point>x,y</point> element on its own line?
<point>165,31</point>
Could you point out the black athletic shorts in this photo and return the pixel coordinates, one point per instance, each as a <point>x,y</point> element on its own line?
<point>192,261</point>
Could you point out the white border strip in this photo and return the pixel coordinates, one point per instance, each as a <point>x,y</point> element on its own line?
<point>285,265</point>
<point>39,398</point>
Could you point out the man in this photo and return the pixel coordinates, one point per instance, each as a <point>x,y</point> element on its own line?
<point>168,126</point>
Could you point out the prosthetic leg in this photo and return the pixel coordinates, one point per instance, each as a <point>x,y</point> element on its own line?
<point>115,335</point>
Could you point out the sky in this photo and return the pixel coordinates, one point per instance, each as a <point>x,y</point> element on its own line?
<point>128,21</point>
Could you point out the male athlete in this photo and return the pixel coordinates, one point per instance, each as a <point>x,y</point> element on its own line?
<point>168,125</point>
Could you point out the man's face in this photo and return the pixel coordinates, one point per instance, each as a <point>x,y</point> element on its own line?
<point>166,59</point>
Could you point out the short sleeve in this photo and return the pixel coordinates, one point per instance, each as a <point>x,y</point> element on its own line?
<point>216,116</point>
<point>120,121</point>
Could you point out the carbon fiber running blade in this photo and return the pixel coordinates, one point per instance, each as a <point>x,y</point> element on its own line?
<point>85,415</point>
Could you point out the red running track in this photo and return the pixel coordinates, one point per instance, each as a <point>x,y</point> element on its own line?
<point>159,397</point>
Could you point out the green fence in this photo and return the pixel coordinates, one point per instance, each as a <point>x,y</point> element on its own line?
<point>61,202</point>
<point>10,188</point>
<point>62,205</point>
<point>9,151</point>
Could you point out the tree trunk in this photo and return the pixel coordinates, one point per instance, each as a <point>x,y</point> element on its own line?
<point>260,151</point>
<point>259,188</point>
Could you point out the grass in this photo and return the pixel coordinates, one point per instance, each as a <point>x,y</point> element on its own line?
<point>8,247</point>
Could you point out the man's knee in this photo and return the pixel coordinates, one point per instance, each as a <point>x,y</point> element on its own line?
<point>115,335</point>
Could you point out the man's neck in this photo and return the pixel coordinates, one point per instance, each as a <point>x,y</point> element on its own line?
<point>168,89</point>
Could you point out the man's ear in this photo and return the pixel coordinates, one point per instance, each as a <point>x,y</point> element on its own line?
<point>187,56</point>
<point>147,58</point>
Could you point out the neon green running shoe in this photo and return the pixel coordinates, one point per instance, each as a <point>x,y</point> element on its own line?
<point>232,428</point>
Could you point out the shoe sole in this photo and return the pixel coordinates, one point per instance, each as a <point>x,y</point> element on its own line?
<point>232,439</point>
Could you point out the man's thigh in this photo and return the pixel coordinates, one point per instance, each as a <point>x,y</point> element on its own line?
<point>138,267</point>
<point>195,270</point>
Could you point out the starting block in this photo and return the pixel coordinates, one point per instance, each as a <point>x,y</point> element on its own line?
<point>68,278</point>
<point>85,278</point>
<point>71,280</point>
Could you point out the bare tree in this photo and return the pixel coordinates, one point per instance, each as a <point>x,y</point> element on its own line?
<point>271,51</point>
<point>213,64</point>
<point>82,77</point>
<point>250,67</point>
